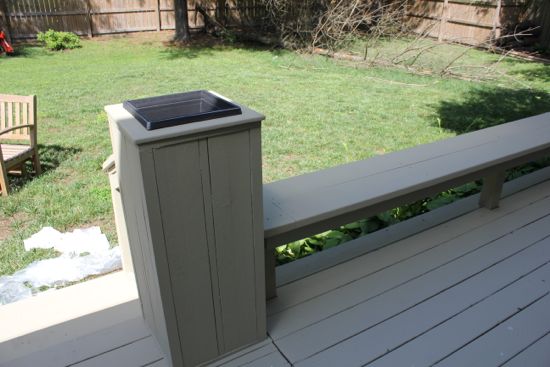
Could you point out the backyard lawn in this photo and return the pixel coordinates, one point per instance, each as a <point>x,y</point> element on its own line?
<point>320,113</point>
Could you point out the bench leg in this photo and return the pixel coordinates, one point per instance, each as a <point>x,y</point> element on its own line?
<point>492,190</point>
<point>270,277</point>
<point>4,185</point>
<point>36,163</point>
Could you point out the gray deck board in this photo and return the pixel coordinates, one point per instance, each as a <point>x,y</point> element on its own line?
<point>418,265</point>
<point>359,317</point>
<point>535,355</point>
<point>446,286</point>
<point>508,338</point>
<point>415,321</point>
<point>312,286</point>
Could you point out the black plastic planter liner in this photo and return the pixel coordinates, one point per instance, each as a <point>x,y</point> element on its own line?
<point>182,108</point>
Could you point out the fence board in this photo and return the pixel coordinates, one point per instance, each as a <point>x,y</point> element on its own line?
<point>465,21</point>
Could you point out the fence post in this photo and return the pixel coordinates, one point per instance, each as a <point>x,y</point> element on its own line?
<point>158,16</point>
<point>443,20</point>
<point>89,19</point>
<point>6,19</point>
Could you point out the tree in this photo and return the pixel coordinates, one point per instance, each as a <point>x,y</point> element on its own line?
<point>182,20</point>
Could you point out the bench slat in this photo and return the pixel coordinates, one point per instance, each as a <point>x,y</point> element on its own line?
<point>363,168</point>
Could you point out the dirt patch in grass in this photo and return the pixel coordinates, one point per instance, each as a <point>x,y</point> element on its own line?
<point>6,224</point>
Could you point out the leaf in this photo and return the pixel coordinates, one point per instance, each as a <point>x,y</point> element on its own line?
<point>331,242</point>
<point>440,201</point>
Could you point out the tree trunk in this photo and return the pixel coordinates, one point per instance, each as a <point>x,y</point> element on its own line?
<point>182,21</point>
<point>220,11</point>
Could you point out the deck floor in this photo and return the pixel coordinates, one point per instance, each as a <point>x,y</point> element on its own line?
<point>473,291</point>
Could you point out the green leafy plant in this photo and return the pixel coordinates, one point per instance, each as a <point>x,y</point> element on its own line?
<point>335,237</point>
<point>56,41</point>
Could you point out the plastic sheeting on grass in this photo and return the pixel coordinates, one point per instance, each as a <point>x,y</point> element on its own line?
<point>84,252</point>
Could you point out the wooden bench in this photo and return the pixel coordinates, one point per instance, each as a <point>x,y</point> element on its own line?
<point>18,130</point>
<point>305,205</point>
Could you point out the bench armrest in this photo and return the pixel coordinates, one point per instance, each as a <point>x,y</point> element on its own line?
<point>16,128</point>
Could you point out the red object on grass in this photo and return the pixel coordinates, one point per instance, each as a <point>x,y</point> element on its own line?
<point>4,45</point>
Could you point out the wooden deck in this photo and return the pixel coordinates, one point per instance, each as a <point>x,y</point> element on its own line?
<point>473,291</point>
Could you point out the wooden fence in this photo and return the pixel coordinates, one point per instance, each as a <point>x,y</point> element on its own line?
<point>25,18</point>
<point>465,21</point>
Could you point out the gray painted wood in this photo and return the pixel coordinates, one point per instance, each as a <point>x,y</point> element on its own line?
<point>159,363</point>
<point>142,255</point>
<point>359,317</point>
<point>508,338</point>
<point>492,190</point>
<point>138,353</point>
<point>231,184</point>
<point>440,341</point>
<point>274,359</point>
<point>535,355</point>
<point>467,228</point>
<point>246,355</point>
<point>258,228</point>
<point>517,271</point>
<point>293,214</point>
<point>440,269</point>
<point>211,238</point>
<point>86,347</point>
<point>183,221</point>
<point>302,268</point>
<point>192,195</point>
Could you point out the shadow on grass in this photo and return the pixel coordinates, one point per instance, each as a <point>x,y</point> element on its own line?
<point>51,156</point>
<point>29,50</point>
<point>489,107</point>
<point>538,72</point>
<point>206,45</point>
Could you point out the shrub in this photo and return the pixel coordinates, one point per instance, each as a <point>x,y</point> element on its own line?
<point>56,41</point>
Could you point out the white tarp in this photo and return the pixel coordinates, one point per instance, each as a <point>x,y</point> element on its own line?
<point>84,252</point>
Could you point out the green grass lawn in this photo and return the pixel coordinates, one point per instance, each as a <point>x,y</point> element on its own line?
<point>320,113</point>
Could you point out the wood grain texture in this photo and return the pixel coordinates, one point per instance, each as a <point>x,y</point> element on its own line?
<point>407,325</point>
<point>183,221</point>
<point>356,317</point>
<point>232,207</point>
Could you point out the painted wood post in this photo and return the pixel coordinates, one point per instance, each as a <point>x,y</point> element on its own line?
<point>192,198</point>
<point>492,190</point>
